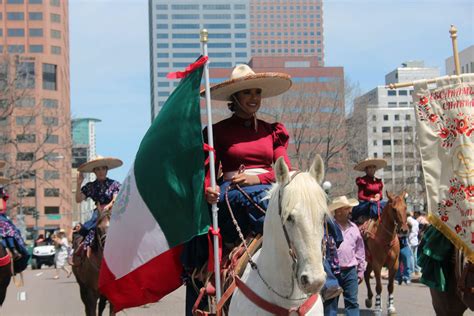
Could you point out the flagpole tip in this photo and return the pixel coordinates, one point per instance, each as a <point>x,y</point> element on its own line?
<point>453,31</point>
<point>204,36</point>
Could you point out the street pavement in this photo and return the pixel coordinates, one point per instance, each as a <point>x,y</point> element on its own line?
<point>43,295</point>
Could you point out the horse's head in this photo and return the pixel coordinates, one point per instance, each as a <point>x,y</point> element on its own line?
<point>398,208</point>
<point>302,209</point>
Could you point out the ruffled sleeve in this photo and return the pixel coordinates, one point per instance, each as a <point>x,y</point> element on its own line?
<point>360,182</point>
<point>115,187</point>
<point>88,189</point>
<point>280,144</point>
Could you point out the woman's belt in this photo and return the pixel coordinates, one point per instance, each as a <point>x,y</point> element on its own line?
<point>252,172</point>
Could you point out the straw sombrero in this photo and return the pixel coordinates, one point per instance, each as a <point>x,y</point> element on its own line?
<point>100,161</point>
<point>243,77</point>
<point>342,201</point>
<point>3,180</point>
<point>377,162</point>
<point>2,164</point>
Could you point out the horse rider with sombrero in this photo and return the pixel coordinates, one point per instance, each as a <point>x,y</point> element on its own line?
<point>245,148</point>
<point>103,191</point>
<point>11,236</point>
<point>370,190</point>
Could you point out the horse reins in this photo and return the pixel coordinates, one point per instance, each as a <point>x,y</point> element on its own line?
<point>291,252</point>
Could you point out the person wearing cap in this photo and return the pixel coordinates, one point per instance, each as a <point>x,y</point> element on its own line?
<point>370,190</point>
<point>351,254</point>
<point>103,191</point>
<point>245,149</point>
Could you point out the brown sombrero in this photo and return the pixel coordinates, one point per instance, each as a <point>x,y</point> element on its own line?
<point>243,77</point>
<point>100,161</point>
<point>377,162</point>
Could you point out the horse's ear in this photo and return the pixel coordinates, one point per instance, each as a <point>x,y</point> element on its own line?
<point>389,195</point>
<point>317,169</point>
<point>282,172</point>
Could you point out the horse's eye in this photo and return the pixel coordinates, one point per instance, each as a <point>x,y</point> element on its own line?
<point>291,218</point>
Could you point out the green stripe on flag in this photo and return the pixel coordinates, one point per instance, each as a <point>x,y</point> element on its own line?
<point>169,166</point>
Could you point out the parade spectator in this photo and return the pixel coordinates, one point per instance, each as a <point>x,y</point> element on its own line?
<point>413,242</point>
<point>62,253</point>
<point>351,254</point>
<point>405,258</point>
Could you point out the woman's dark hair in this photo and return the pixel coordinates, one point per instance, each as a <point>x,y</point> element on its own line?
<point>231,105</point>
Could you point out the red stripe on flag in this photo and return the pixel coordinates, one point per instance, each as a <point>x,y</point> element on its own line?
<point>182,74</point>
<point>146,284</point>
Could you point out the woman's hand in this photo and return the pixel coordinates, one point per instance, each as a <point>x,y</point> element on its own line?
<point>245,179</point>
<point>80,178</point>
<point>212,196</point>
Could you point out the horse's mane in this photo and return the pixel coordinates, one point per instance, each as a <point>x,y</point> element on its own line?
<point>303,187</point>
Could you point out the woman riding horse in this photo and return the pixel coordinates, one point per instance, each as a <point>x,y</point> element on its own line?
<point>370,191</point>
<point>246,148</point>
<point>103,191</point>
<point>10,235</point>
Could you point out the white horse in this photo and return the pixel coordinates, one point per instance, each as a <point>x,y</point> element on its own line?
<point>289,269</point>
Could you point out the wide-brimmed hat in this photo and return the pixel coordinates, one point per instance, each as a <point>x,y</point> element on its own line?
<point>243,77</point>
<point>377,162</point>
<point>100,161</point>
<point>2,164</point>
<point>3,180</point>
<point>342,201</point>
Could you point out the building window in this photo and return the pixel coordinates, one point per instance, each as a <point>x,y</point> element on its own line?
<point>35,1</point>
<point>26,192</point>
<point>375,155</point>
<point>385,129</point>
<point>36,49</point>
<point>51,139</point>
<point>50,103</point>
<point>397,142</point>
<point>184,17</point>
<point>14,1</point>
<point>50,121</point>
<point>374,118</point>
<point>56,50</point>
<point>162,7</point>
<point>15,16</point>
<point>375,143</point>
<point>51,210</point>
<point>51,174</point>
<point>36,16</point>
<point>408,129</point>
<point>49,77</point>
<point>391,93</point>
<point>162,16</point>
<point>52,157</point>
<point>55,18</point>
<point>25,72</point>
<point>219,45</point>
<point>241,45</point>
<point>374,129</point>
<point>25,120</point>
<point>392,104</point>
<point>402,92</point>
<point>403,104</point>
<point>55,34</point>
<point>239,16</point>
<point>51,192</point>
<point>55,3</point>
<point>163,65</point>
<point>217,26</point>
<point>161,35</point>
<point>26,138</point>
<point>25,102</point>
<point>16,49</point>
<point>243,55</point>
<point>386,142</point>
<point>16,32</point>
<point>397,117</point>
<point>184,6</point>
<point>162,55</point>
<point>185,26</point>
<point>408,117</point>
<point>25,156</point>
<point>240,35</point>
<point>36,32</point>
<point>216,7</point>
<point>397,129</point>
<point>385,117</point>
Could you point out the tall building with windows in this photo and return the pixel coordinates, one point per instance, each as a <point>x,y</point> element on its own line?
<point>390,132</point>
<point>83,150</point>
<point>35,128</point>
<point>174,38</point>
<point>466,62</point>
<point>287,28</point>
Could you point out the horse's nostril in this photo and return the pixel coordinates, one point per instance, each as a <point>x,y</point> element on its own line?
<point>304,279</point>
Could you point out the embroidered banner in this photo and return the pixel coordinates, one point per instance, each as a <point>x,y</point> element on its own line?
<point>445,135</point>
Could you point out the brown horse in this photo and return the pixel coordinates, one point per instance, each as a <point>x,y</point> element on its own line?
<point>5,274</point>
<point>87,270</point>
<point>383,248</point>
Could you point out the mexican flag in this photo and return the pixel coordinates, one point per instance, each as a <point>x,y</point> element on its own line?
<point>161,203</point>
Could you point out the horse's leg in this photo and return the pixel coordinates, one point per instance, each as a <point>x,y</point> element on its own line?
<point>102,303</point>
<point>368,300</point>
<point>391,278</point>
<point>91,302</point>
<point>378,287</point>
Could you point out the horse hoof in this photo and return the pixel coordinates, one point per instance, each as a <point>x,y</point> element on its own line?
<point>368,303</point>
<point>391,310</point>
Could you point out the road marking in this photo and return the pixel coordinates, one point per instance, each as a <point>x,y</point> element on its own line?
<point>38,274</point>
<point>21,296</point>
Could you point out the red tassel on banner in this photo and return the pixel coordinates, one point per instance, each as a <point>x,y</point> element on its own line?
<point>210,262</point>
<point>182,74</point>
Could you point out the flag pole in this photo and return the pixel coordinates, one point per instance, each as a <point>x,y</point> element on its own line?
<point>210,137</point>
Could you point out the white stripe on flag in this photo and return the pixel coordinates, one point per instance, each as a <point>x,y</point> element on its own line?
<point>134,237</point>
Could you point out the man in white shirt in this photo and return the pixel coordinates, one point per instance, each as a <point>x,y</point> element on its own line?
<point>413,242</point>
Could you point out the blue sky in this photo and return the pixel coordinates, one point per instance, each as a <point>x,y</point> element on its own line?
<point>110,57</point>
